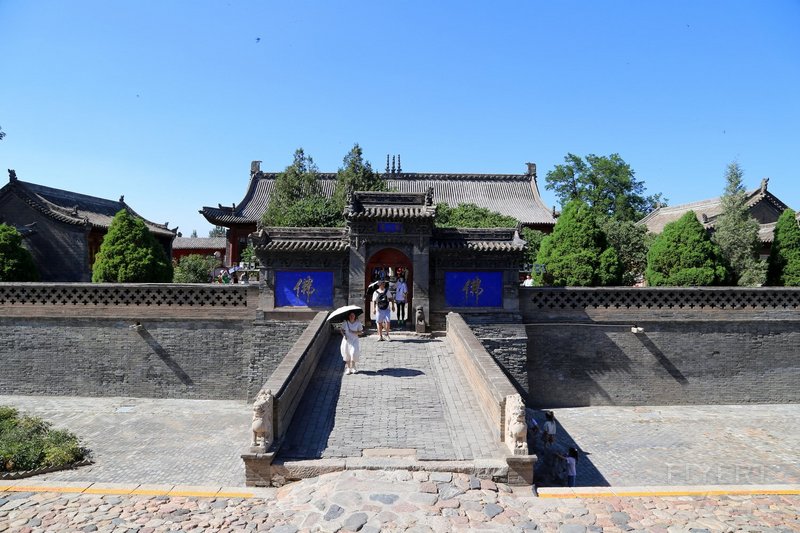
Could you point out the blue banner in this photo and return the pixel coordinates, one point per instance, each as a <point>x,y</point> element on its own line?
<point>473,289</point>
<point>294,288</point>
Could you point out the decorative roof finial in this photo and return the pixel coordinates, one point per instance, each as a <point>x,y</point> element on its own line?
<point>399,170</point>
<point>393,165</point>
<point>122,198</point>
<point>12,174</point>
<point>387,163</point>
<point>764,183</point>
<point>255,167</point>
<point>531,169</point>
<point>704,217</point>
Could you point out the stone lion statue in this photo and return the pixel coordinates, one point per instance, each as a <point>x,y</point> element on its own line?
<point>262,420</point>
<point>517,428</point>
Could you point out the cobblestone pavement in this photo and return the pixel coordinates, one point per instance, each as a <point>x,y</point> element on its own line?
<point>682,445</point>
<point>408,394</point>
<point>371,501</point>
<point>141,440</point>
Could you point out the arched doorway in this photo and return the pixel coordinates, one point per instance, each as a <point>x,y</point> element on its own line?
<point>388,264</point>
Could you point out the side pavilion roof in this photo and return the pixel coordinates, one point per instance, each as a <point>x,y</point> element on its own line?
<point>515,195</point>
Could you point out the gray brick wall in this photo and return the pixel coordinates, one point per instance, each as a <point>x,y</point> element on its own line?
<point>169,358</point>
<point>506,340</point>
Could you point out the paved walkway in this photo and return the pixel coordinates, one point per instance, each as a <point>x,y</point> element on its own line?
<point>409,394</point>
<point>371,501</point>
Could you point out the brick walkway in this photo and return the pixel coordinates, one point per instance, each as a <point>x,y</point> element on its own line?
<point>408,394</point>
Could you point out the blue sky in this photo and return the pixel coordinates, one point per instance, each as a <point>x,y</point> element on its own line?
<point>168,102</point>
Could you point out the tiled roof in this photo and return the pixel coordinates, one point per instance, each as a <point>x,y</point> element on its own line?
<point>199,243</point>
<point>480,240</point>
<point>301,239</point>
<point>707,212</point>
<point>80,209</point>
<point>514,195</point>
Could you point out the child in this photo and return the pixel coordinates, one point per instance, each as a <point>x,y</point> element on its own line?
<point>572,461</point>
<point>549,429</point>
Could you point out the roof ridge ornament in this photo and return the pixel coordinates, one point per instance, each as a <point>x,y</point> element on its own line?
<point>531,169</point>
<point>12,174</point>
<point>764,183</point>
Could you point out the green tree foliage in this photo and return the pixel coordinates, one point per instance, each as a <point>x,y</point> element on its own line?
<point>533,240</point>
<point>130,254</point>
<point>194,268</point>
<point>297,200</point>
<point>16,262</point>
<point>784,258</point>
<point>683,256</point>
<point>217,231</point>
<point>576,253</point>
<point>356,174</point>
<point>606,183</point>
<point>630,240</point>
<point>736,233</point>
<point>470,216</point>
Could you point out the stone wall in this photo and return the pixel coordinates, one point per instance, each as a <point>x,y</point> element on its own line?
<point>506,340</point>
<point>697,346</point>
<point>160,341</point>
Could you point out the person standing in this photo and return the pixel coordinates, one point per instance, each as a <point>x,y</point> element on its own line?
<point>381,304</point>
<point>351,347</point>
<point>400,292</point>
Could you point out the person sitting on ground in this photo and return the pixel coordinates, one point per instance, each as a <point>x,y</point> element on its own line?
<point>382,310</point>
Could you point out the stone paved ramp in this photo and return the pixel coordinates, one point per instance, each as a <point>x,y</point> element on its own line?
<point>409,394</point>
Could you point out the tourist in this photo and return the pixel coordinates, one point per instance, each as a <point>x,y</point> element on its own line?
<point>351,348</point>
<point>549,429</point>
<point>400,292</point>
<point>528,281</point>
<point>381,303</point>
<point>571,460</point>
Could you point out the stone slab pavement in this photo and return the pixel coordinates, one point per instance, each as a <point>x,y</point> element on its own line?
<point>195,442</point>
<point>681,445</point>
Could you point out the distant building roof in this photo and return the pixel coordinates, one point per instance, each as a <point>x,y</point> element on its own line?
<point>199,243</point>
<point>514,195</point>
<point>707,212</point>
<point>75,208</point>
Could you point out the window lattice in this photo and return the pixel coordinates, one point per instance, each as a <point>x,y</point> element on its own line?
<point>123,295</point>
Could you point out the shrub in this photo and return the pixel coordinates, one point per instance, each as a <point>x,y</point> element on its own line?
<point>784,257</point>
<point>130,254</point>
<point>28,443</point>
<point>16,262</point>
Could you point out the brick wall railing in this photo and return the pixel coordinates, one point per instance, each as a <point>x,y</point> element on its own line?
<point>127,299</point>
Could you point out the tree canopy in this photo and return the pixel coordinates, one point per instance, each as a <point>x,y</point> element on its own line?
<point>297,200</point>
<point>356,174</point>
<point>784,258</point>
<point>194,268</point>
<point>130,254</point>
<point>736,233</point>
<point>16,262</point>
<point>577,253</point>
<point>683,255</point>
<point>470,216</point>
<point>630,240</point>
<point>605,183</point>
<point>217,231</point>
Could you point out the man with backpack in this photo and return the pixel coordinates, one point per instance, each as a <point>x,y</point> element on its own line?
<point>382,307</point>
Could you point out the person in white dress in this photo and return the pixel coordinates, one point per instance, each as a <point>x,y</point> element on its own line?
<point>351,347</point>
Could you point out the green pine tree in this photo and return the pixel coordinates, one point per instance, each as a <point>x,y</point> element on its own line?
<point>16,262</point>
<point>130,254</point>
<point>684,255</point>
<point>736,233</point>
<point>577,253</point>
<point>784,257</point>
<point>355,175</point>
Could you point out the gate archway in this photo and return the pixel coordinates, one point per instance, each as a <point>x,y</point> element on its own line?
<point>388,264</point>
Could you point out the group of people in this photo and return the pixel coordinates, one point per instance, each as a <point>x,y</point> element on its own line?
<point>555,465</point>
<point>383,304</point>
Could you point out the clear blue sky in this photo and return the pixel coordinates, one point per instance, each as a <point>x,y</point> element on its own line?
<point>168,102</point>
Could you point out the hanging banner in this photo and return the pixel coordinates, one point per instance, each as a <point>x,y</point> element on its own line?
<point>473,289</point>
<point>295,288</point>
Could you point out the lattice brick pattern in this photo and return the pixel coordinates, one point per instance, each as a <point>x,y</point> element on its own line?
<point>575,298</point>
<point>123,295</point>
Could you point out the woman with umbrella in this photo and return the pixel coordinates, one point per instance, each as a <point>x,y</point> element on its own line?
<point>351,329</point>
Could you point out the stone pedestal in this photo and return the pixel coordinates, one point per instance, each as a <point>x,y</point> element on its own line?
<point>520,469</point>
<point>258,467</point>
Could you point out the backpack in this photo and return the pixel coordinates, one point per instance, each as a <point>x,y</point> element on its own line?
<point>383,300</point>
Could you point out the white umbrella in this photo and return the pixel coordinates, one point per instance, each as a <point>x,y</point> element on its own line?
<point>341,314</point>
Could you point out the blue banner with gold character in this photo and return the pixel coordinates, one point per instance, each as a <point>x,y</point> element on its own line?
<point>473,289</point>
<point>294,288</point>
